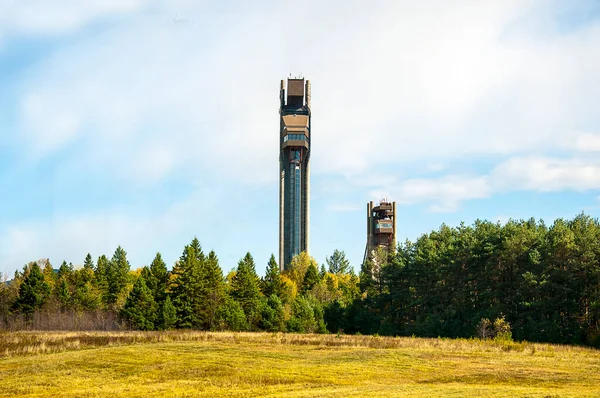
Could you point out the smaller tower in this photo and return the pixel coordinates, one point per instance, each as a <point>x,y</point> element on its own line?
<point>381,227</point>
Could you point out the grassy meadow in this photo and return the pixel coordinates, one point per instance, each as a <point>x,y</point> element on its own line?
<point>182,364</point>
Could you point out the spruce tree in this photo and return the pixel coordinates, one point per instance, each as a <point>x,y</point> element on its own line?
<point>168,315</point>
<point>86,296</point>
<point>186,287</point>
<point>33,291</point>
<point>65,270</point>
<point>62,293</point>
<point>117,276</point>
<point>272,284</point>
<point>272,315</point>
<point>212,291</point>
<point>88,264</point>
<point>140,309</point>
<point>197,249</point>
<point>246,291</point>
<point>230,316</point>
<point>311,278</point>
<point>101,278</point>
<point>338,263</point>
<point>160,279</point>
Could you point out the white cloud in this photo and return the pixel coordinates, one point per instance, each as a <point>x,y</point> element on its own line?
<point>71,236</point>
<point>534,173</point>
<point>586,142</point>
<point>431,83</point>
<point>444,194</point>
<point>544,174</point>
<point>59,16</point>
<point>397,83</point>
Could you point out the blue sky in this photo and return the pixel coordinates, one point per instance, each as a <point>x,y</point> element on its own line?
<point>145,123</point>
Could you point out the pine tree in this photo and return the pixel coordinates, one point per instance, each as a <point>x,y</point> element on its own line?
<point>245,289</point>
<point>157,279</point>
<point>117,276</point>
<point>272,315</point>
<point>311,278</point>
<point>140,310</point>
<point>160,279</point>
<point>65,270</point>
<point>62,293</point>
<point>230,316</point>
<point>272,284</point>
<point>86,296</point>
<point>88,264</point>
<point>33,291</point>
<point>197,249</point>
<point>101,277</point>
<point>212,291</point>
<point>186,287</point>
<point>338,263</point>
<point>303,316</point>
<point>169,315</point>
<point>86,274</point>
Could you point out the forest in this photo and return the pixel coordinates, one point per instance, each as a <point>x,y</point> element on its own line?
<point>541,281</point>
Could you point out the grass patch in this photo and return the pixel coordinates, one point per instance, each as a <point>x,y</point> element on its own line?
<point>188,363</point>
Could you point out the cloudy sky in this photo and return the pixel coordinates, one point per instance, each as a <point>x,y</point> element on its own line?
<point>145,123</point>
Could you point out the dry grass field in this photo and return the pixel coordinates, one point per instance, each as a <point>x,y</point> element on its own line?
<point>182,364</point>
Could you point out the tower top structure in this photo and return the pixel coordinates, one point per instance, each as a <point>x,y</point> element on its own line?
<point>294,171</point>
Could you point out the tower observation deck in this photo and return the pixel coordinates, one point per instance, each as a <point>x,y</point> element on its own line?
<point>294,170</point>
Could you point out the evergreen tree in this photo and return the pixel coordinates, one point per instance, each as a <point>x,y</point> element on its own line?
<point>160,279</point>
<point>86,296</point>
<point>140,310</point>
<point>117,276</point>
<point>272,284</point>
<point>303,316</point>
<point>197,249</point>
<point>212,291</point>
<point>338,263</point>
<point>101,277</point>
<point>86,274</point>
<point>62,293</point>
<point>65,270</point>
<point>169,315</point>
<point>33,291</point>
<point>88,264</point>
<point>230,316</point>
<point>311,278</point>
<point>186,286</point>
<point>272,314</point>
<point>322,271</point>
<point>246,291</point>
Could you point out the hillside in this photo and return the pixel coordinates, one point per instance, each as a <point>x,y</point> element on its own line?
<point>67,364</point>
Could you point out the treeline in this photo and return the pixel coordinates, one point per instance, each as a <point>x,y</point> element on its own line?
<point>194,294</point>
<point>544,281</point>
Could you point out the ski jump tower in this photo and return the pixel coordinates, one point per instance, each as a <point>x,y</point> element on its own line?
<point>381,227</point>
<point>294,170</point>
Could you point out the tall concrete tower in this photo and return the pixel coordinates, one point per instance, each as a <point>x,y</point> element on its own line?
<point>294,169</point>
<point>381,227</point>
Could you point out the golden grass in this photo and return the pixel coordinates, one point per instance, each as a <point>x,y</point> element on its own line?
<point>188,363</point>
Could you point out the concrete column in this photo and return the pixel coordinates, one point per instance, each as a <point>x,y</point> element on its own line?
<point>307,207</point>
<point>395,240</point>
<point>281,232</point>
